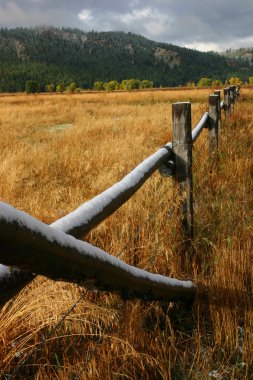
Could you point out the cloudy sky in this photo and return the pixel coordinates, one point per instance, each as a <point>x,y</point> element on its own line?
<point>199,24</point>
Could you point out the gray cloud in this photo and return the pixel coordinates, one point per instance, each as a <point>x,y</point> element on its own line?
<point>199,24</point>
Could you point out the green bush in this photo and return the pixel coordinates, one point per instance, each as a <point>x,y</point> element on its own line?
<point>71,88</point>
<point>204,82</point>
<point>130,84</point>
<point>60,87</point>
<point>98,86</point>
<point>146,84</point>
<point>111,86</point>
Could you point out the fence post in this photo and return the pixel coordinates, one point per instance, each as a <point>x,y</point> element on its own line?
<point>213,123</point>
<point>231,97</point>
<point>182,153</point>
<point>227,101</point>
<point>237,90</point>
<point>217,92</point>
<point>235,93</point>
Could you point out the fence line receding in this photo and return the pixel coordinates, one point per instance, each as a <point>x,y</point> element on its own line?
<point>34,247</point>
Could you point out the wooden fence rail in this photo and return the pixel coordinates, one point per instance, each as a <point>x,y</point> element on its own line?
<point>58,256</point>
<point>34,247</point>
<point>93,212</point>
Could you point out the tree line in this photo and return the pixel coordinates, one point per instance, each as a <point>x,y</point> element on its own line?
<point>32,86</point>
<point>208,82</point>
<point>126,85</point>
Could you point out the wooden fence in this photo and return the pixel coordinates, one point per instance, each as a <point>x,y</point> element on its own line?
<point>55,251</point>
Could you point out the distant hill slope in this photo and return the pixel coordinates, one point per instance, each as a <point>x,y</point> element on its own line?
<point>244,55</point>
<point>51,55</point>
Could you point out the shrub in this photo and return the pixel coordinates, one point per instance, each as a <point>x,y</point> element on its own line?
<point>204,82</point>
<point>60,87</point>
<point>146,84</point>
<point>111,86</point>
<point>71,88</point>
<point>50,87</point>
<point>130,84</point>
<point>98,86</point>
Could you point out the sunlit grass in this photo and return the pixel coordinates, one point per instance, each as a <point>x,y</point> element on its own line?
<point>48,171</point>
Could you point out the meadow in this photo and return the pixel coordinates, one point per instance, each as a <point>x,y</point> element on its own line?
<point>57,151</point>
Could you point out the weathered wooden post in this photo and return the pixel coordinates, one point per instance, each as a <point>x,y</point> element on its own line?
<point>182,154</point>
<point>213,123</point>
<point>235,93</point>
<point>232,98</point>
<point>217,92</point>
<point>227,101</point>
<point>238,90</point>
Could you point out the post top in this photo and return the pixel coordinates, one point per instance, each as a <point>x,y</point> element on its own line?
<point>181,103</point>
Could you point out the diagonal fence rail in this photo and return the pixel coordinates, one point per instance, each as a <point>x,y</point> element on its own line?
<point>90,214</point>
<point>35,247</point>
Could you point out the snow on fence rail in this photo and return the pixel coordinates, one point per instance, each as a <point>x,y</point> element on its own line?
<point>54,254</point>
<point>90,214</point>
<point>32,246</point>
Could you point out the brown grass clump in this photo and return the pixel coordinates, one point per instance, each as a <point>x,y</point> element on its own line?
<point>58,151</point>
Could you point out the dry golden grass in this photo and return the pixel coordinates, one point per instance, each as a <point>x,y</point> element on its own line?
<point>48,172</point>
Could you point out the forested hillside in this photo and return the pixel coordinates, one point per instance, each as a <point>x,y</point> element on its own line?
<point>244,55</point>
<point>51,55</point>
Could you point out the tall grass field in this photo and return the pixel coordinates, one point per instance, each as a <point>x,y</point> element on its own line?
<point>58,151</point>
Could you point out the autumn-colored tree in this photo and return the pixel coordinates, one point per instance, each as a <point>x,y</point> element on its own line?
<point>234,81</point>
<point>190,84</point>
<point>216,83</point>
